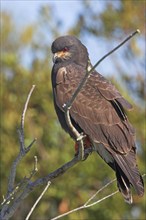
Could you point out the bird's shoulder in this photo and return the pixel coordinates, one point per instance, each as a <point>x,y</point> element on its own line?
<point>97,86</point>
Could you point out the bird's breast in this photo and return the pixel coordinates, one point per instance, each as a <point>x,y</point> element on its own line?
<point>64,87</point>
<point>61,76</point>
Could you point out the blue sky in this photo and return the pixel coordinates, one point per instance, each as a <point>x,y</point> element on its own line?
<point>27,11</point>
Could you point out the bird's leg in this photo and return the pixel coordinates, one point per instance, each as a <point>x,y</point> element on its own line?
<point>80,146</point>
<point>86,144</point>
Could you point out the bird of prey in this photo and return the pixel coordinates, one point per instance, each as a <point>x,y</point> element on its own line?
<point>98,112</point>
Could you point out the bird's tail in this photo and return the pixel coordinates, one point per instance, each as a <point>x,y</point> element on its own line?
<point>123,185</point>
<point>126,169</point>
<point>127,174</point>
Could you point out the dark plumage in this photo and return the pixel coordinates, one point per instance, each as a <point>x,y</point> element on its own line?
<point>98,112</point>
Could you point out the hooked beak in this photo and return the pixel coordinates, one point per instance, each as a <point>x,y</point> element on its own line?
<point>54,58</point>
<point>57,55</point>
<point>61,55</point>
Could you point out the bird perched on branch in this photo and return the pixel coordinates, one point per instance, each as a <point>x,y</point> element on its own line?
<point>98,112</point>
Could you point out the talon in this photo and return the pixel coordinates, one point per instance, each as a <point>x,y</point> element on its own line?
<point>82,136</point>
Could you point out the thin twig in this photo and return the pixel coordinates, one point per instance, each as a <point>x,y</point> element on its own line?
<point>37,201</point>
<point>87,205</point>
<point>101,189</point>
<point>35,163</point>
<point>24,111</point>
<point>84,206</point>
<point>35,169</point>
<point>29,147</point>
<point>61,170</point>
<point>8,211</point>
<point>100,200</point>
<point>22,151</point>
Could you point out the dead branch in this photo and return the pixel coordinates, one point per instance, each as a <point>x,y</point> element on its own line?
<point>12,191</point>
<point>37,201</point>
<point>22,149</point>
<point>28,187</point>
<point>87,204</point>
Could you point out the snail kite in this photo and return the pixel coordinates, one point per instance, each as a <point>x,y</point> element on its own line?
<point>98,112</point>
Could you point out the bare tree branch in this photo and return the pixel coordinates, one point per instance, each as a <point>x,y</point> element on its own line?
<point>28,186</point>
<point>22,151</point>
<point>11,191</point>
<point>84,206</point>
<point>23,116</point>
<point>87,204</point>
<point>101,189</point>
<point>37,201</point>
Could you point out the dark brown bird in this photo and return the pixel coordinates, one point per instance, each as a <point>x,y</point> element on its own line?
<point>98,112</point>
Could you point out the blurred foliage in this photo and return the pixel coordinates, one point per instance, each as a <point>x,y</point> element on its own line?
<point>117,19</point>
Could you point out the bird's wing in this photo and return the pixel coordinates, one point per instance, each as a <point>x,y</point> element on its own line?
<point>98,109</point>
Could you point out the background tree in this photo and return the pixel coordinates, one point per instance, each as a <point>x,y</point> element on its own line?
<point>72,189</point>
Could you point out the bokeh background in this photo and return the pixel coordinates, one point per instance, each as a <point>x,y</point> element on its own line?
<point>27,31</point>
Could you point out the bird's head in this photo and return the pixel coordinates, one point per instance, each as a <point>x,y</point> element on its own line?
<point>68,49</point>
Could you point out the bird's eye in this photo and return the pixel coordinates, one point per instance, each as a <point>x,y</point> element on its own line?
<point>65,49</point>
